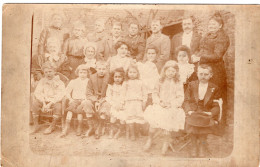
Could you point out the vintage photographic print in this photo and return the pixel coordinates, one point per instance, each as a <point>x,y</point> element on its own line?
<point>130,85</point>
<point>132,82</point>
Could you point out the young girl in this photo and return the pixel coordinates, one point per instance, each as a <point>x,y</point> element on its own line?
<point>121,59</point>
<point>90,51</point>
<point>76,93</point>
<point>186,69</point>
<point>114,90</point>
<point>134,100</point>
<point>74,46</point>
<point>166,114</point>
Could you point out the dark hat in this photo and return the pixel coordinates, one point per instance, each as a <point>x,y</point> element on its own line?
<point>199,119</point>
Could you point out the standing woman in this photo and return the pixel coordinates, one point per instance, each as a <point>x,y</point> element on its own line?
<point>213,47</point>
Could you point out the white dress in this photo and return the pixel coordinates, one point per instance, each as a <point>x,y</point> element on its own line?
<point>185,71</point>
<point>119,62</point>
<point>114,99</point>
<point>173,118</point>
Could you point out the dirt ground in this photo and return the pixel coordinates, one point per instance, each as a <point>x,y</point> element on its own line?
<point>74,145</point>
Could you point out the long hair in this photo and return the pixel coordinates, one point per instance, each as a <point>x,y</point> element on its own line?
<point>136,68</point>
<point>112,74</point>
<point>168,64</point>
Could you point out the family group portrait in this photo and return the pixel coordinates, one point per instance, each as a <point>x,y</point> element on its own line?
<point>132,82</point>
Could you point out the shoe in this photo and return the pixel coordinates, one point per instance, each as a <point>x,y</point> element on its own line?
<point>148,144</point>
<point>51,128</point>
<point>65,130</point>
<point>79,128</point>
<point>165,148</point>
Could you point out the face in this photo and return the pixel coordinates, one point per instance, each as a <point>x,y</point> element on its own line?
<point>101,70</point>
<point>182,57</point>
<point>52,47</point>
<point>116,30</point>
<point>156,26</point>
<point>187,25</point>
<point>132,73</point>
<point>122,50</point>
<point>133,29</point>
<point>83,74</point>
<point>151,54</point>
<point>170,72</point>
<point>78,31</point>
<point>99,26</point>
<point>90,53</point>
<point>204,75</point>
<point>118,78</point>
<point>49,73</point>
<point>213,26</point>
<point>57,21</point>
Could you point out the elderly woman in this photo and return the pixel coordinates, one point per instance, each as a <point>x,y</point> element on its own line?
<point>213,47</point>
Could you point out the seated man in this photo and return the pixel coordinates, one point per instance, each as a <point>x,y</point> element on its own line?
<point>95,106</point>
<point>47,97</point>
<point>201,110</point>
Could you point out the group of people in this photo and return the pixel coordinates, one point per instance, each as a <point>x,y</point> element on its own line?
<point>124,82</point>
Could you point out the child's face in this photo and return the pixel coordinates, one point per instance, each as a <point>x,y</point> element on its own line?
<point>49,73</point>
<point>170,72</point>
<point>57,21</point>
<point>133,29</point>
<point>151,55</point>
<point>156,26</point>
<point>118,78</point>
<point>90,53</point>
<point>132,73</point>
<point>101,70</point>
<point>122,50</point>
<point>204,75</point>
<point>52,47</point>
<point>83,74</point>
<point>182,57</point>
<point>78,31</point>
<point>116,30</point>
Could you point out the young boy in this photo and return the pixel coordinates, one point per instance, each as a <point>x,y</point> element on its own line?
<point>74,48</point>
<point>201,110</point>
<point>47,97</point>
<point>95,107</point>
<point>135,41</point>
<point>76,93</point>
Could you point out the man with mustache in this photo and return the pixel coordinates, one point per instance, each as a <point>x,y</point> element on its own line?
<point>188,37</point>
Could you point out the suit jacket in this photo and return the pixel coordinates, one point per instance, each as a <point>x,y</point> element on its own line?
<point>136,46</point>
<point>92,88</point>
<point>191,98</point>
<point>177,41</point>
<point>162,43</point>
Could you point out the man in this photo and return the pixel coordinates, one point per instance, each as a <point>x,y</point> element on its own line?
<point>135,41</point>
<point>107,47</point>
<point>188,37</point>
<point>99,33</point>
<point>160,41</point>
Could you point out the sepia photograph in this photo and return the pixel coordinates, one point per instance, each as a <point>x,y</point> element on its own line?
<point>127,85</point>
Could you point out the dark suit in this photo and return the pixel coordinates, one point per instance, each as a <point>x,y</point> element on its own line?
<point>177,41</point>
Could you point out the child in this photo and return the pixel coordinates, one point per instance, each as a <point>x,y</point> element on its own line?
<point>96,106</point>
<point>90,51</point>
<point>134,99</point>
<point>186,69</point>
<point>166,114</point>
<point>113,98</point>
<point>74,48</point>
<point>47,97</point>
<point>201,110</point>
<point>121,59</point>
<point>53,55</point>
<point>76,93</point>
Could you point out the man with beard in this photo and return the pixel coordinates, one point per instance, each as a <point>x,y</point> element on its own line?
<point>188,37</point>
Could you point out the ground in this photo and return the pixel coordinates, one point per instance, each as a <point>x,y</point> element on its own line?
<point>74,145</point>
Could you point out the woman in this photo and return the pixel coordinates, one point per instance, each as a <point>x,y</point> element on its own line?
<point>213,47</point>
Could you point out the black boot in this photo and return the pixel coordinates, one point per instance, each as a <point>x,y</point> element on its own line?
<point>51,128</point>
<point>91,128</point>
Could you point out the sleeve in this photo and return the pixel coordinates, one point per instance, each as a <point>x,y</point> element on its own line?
<point>141,49</point>
<point>42,41</point>
<point>109,94</point>
<point>60,92</point>
<point>165,48</point>
<point>196,47</point>
<point>38,93</point>
<point>69,89</point>
<point>187,99</point>
<point>90,92</point>
<point>215,109</point>
<point>111,65</point>
<point>220,49</point>
<point>144,92</point>
<point>179,95</point>
<point>123,92</point>
<point>155,95</point>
